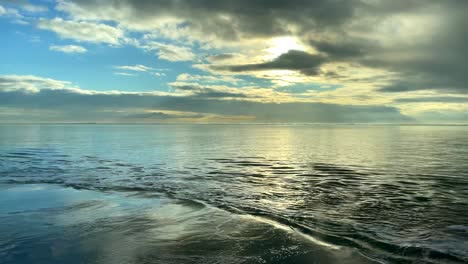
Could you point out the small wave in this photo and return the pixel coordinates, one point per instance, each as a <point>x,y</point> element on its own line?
<point>334,169</point>
<point>458,228</point>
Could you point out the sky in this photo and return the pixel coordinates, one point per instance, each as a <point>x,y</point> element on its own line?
<point>234,61</point>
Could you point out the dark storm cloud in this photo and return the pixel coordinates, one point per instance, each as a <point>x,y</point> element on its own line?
<point>253,17</point>
<point>342,49</point>
<point>74,106</point>
<point>428,81</point>
<point>436,64</point>
<point>402,86</point>
<point>292,60</point>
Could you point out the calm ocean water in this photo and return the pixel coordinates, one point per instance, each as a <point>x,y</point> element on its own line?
<point>233,194</point>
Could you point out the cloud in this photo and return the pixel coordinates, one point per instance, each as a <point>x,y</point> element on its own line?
<point>376,34</point>
<point>444,116</point>
<point>30,83</point>
<point>164,116</point>
<point>341,49</point>
<point>75,104</point>
<point>34,8</point>
<point>195,78</point>
<point>68,48</point>
<point>425,82</point>
<point>125,74</point>
<point>433,99</point>
<point>11,12</point>
<point>138,67</point>
<point>229,20</point>
<point>159,74</point>
<point>210,91</point>
<point>170,52</point>
<point>422,43</point>
<point>301,61</point>
<point>25,6</point>
<point>405,53</point>
<point>82,31</point>
<point>221,57</point>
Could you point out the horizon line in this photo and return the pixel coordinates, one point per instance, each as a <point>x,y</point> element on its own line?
<point>259,123</point>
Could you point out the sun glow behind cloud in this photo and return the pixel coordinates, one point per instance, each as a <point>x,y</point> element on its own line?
<point>281,45</point>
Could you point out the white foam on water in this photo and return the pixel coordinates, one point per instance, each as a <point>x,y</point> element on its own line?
<point>293,231</point>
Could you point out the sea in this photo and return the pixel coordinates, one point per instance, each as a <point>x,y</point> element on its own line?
<point>233,193</point>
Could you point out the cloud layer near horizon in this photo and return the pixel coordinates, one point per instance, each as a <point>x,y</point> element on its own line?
<point>76,105</point>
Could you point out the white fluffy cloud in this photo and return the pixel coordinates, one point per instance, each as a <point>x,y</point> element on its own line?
<point>30,83</point>
<point>130,70</point>
<point>170,52</point>
<point>34,8</point>
<point>4,11</point>
<point>83,31</point>
<point>159,74</point>
<point>125,74</point>
<point>138,67</point>
<point>68,48</point>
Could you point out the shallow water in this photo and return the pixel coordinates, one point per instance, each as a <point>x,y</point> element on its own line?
<point>234,193</point>
<point>51,224</point>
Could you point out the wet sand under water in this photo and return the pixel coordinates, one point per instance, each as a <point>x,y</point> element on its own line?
<point>44,223</point>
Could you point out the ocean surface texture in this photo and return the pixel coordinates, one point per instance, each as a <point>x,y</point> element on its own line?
<point>233,194</point>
